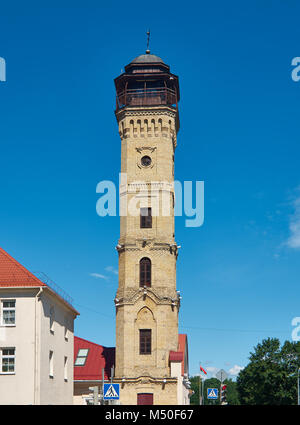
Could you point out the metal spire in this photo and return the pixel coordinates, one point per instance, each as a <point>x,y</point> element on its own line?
<point>148,40</point>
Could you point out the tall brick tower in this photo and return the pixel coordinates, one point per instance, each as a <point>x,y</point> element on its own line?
<point>147,302</point>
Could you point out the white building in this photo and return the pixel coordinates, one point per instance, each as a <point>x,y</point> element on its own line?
<point>179,363</point>
<point>36,339</point>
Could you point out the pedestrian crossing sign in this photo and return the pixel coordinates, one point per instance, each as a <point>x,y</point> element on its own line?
<point>111,391</point>
<point>212,393</point>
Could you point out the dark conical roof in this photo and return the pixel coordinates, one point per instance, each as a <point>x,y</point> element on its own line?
<point>147,58</point>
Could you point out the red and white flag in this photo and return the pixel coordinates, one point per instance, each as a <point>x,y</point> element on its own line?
<point>202,370</point>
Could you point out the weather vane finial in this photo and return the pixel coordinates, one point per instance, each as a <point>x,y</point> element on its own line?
<point>148,40</point>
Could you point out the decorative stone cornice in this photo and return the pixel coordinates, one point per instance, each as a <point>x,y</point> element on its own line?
<point>150,187</point>
<point>145,379</point>
<point>143,148</point>
<point>144,292</point>
<point>150,244</point>
<point>144,111</point>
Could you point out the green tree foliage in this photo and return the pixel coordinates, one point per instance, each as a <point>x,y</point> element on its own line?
<point>195,387</point>
<point>232,394</point>
<point>270,378</point>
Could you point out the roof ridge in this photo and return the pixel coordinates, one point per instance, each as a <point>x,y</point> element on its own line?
<point>90,342</point>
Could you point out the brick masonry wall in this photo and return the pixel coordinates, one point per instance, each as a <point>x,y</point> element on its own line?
<point>150,132</point>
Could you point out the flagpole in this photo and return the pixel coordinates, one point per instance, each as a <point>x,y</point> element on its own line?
<point>203,392</point>
<point>201,389</point>
<point>199,384</point>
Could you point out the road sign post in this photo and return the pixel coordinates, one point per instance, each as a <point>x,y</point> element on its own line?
<point>223,394</point>
<point>221,376</point>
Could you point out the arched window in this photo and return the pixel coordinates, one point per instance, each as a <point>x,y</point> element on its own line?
<point>145,272</point>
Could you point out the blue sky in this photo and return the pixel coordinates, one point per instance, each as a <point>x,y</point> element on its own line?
<point>239,111</point>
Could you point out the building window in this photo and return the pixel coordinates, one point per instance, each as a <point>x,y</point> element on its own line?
<point>145,272</point>
<point>81,357</point>
<point>173,165</point>
<point>145,341</point>
<point>51,374</point>
<point>66,368</point>
<point>7,359</point>
<point>52,317</point>
<point>146,218</point>
<point>66,334</point>
<point>8,312</point>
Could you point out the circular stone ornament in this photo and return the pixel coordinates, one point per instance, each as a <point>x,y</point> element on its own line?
<point>146,161</point>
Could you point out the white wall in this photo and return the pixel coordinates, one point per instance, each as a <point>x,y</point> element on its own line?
<point>185,395</point>
<point>56,390</point>
<point>182,391</point>
<point>19,387</point>
<point>32,339</point>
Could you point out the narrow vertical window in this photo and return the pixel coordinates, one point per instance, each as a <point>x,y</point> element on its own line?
<point>66,368</point>
<point>7,360</point>
<point>173,159</point>
<point>8,312</point>
<point>145,272</point>
<point>52,319</point>
<point>145,341</point>
<point>51,364</point>
<point>66,329</point>
<point>146,218</point>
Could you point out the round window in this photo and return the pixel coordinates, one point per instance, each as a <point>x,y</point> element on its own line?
<point>146,161</point>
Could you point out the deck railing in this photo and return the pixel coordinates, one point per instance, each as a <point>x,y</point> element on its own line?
<point>146,97</point>
<point>46,279</point>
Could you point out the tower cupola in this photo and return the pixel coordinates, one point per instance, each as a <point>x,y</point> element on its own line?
<point>147,81</point>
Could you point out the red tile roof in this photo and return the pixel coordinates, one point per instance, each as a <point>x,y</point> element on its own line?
<point>176,356</point>
<point>182,346</point>
<point>98,358</point>
<point>14,274</point>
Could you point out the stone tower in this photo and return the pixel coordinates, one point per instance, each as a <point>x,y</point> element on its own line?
<point>147,302</point>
